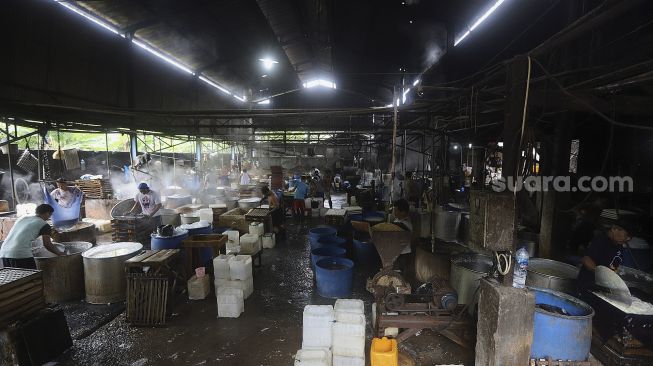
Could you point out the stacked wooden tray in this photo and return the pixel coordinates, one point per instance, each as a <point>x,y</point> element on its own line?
<point>21,294</point>
<point>276,179</point>
<point>132,228</point>
<point>260,215</point>
<point>95,188</point>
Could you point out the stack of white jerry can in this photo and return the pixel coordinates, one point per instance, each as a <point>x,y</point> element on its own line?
<point>233,283</point>
<point>317,336</point>
<point>233,242</point>
<point>348,335</point>
<point>269,240</point>
<point>250,243</point>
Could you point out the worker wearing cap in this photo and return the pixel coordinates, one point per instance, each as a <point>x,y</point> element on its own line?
<point>149,200</point>
<point>16,251</point>
<point>64,195</point>
<point>604,250</point>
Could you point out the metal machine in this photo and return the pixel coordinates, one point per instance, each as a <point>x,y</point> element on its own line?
<point>433,305</point>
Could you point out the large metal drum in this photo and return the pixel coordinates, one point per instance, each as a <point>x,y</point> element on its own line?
<point>63,276</point>
<point>104,273</point>
<point>546,273</point>
<point>82,231</point>
<point>446,224</point>
<point>466,273</point>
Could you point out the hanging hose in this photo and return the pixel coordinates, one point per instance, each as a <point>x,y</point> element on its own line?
<point>507,259</point>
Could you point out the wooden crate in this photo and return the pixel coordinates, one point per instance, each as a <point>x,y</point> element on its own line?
<point>147,299</point>
<point>21,294</point>
<point>235,219</point>
<point>335,217</point>
<point>260,215</point>
<point>130,229</point>
<point>95,188</point>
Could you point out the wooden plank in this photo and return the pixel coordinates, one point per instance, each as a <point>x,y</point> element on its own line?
<point>156,258</point>
<point>140,257</point>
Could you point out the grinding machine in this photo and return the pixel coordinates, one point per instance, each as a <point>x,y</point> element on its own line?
<point>434,305</point>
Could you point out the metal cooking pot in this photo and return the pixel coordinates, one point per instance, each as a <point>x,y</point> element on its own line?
<point>63,276</point>
<point>466,272</point>
<point>104,272</point>
<point>546,273</point>
<point>248,203</point>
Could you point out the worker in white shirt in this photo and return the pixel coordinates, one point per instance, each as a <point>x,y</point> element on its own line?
<point>150,202</point>
<point>244,178</point>
<point>64,195</point>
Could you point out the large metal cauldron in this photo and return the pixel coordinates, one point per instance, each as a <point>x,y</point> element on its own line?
<point>248,203</point>
<point>104,273</point>
<point>63,276</point>
<point>466,272</point>
<point>446,224</point>
<point>546,273</point>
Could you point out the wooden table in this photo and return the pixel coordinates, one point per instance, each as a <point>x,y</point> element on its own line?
<point>151,277</point>
<point>195,243</point>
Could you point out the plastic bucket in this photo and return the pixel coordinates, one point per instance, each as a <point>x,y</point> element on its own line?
<point>324,252</point>
<point>331,241</point>
<point>365,253</point>
<point>320,232</point>
<point>561,337</point>
<point>334,277</point>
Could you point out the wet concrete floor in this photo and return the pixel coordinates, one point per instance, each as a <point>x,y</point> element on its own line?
<point>268,332</point>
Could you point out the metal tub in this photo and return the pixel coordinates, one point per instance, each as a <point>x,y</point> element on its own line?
<point>446,224</point>
<point>63,276</point>
<point>104,273</point>
<point>248,203</point>
<point>466,272</point>
<point>546,273</point>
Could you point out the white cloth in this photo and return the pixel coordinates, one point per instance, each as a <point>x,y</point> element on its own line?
<point>148,201</point>
<point>409,225</point>
<point>244,179</point>
<point>66,197</point>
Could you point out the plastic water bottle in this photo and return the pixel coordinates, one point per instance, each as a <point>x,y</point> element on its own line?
<point>521,267</point>
<point>82,164</point>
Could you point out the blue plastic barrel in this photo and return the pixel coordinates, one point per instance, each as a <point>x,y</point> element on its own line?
<point>168,242</point>
<point>324,252</point>
<point>356,217</point>
<point>331,241</point>
<point>320,232</point>
<point>561,337</point>
<point>373,217</point>
<point>365,253</point>
<point>334,277</point>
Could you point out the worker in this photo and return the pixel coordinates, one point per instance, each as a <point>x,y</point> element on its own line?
<point>326,183</point>
<point>412,189</point>
<point>401,212</point>
<point>604,250</point>
<point>64,195</point>
<point>276,211</point>
<point>150,202</point>
<point>244,178</point>
<point>300,191</point>
<point>16,251</point>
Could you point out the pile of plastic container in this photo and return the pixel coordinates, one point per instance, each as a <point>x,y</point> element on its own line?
<point>234,283</point>
<point>333,336</point>
<point>349,333</point>
<point>233,241</point>
<point>250,244</point>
